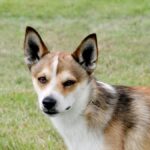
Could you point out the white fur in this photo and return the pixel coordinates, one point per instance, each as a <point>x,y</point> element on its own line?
<point>108,87</point>
<point>30,62</point>
<point>77,135</point>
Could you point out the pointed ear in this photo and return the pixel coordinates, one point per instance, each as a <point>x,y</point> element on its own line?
<point>87,53</point>
<point>34,47</point>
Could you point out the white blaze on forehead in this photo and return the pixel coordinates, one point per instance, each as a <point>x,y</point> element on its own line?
<point>54,67</point>
<point>53,74</point>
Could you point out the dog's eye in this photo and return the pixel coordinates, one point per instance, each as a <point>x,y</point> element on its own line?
<point>69,83</point>
<point>42,80</point>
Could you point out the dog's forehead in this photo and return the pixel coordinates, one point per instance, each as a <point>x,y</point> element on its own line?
<point>57,62</point>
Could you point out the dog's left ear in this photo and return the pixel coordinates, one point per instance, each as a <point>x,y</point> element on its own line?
<point>34,47</point>
<point>87,53</point>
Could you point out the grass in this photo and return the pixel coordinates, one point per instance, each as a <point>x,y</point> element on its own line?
<point>123,30</point>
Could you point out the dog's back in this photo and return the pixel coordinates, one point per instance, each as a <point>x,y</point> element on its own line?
<point>124,114</point>
<point>140,133</point>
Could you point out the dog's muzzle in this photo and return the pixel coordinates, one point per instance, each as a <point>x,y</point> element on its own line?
<point>49,104</point>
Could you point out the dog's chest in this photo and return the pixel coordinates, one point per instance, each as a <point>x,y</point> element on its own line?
<point>78,136</point>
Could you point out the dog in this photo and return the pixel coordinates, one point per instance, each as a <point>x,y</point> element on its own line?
<point>88,114</point>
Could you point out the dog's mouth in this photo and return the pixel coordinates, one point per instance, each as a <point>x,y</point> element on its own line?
<point>50,112</point>
<point>68,107</point>
<point>53,112</point>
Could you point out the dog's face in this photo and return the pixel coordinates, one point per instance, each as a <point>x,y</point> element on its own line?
<point>60,79</point>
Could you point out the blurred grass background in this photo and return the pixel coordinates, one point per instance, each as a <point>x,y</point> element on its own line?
<point>123,30</point>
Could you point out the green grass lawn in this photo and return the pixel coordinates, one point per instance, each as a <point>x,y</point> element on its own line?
<point>123,30</point>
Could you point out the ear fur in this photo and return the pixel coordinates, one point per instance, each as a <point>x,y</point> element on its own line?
<point>34,47</point>
<point>87,53</point>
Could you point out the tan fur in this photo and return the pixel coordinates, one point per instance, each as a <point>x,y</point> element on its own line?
<point>144,90</point>
<point>114,136</point>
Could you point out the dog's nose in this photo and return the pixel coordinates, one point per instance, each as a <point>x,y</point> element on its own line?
<point>49,103</point>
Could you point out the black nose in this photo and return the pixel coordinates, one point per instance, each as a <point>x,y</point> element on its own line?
<point>49,103</point>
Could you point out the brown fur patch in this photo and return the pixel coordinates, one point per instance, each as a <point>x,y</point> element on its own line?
<point>114,135</point>
<point>67,63</point>
<point>145,90</point>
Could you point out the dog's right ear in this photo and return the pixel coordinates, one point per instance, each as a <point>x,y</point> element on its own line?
<point>87,53</point>
<point>34,47</point>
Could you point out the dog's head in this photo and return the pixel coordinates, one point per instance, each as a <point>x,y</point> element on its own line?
<point>60,79</point>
